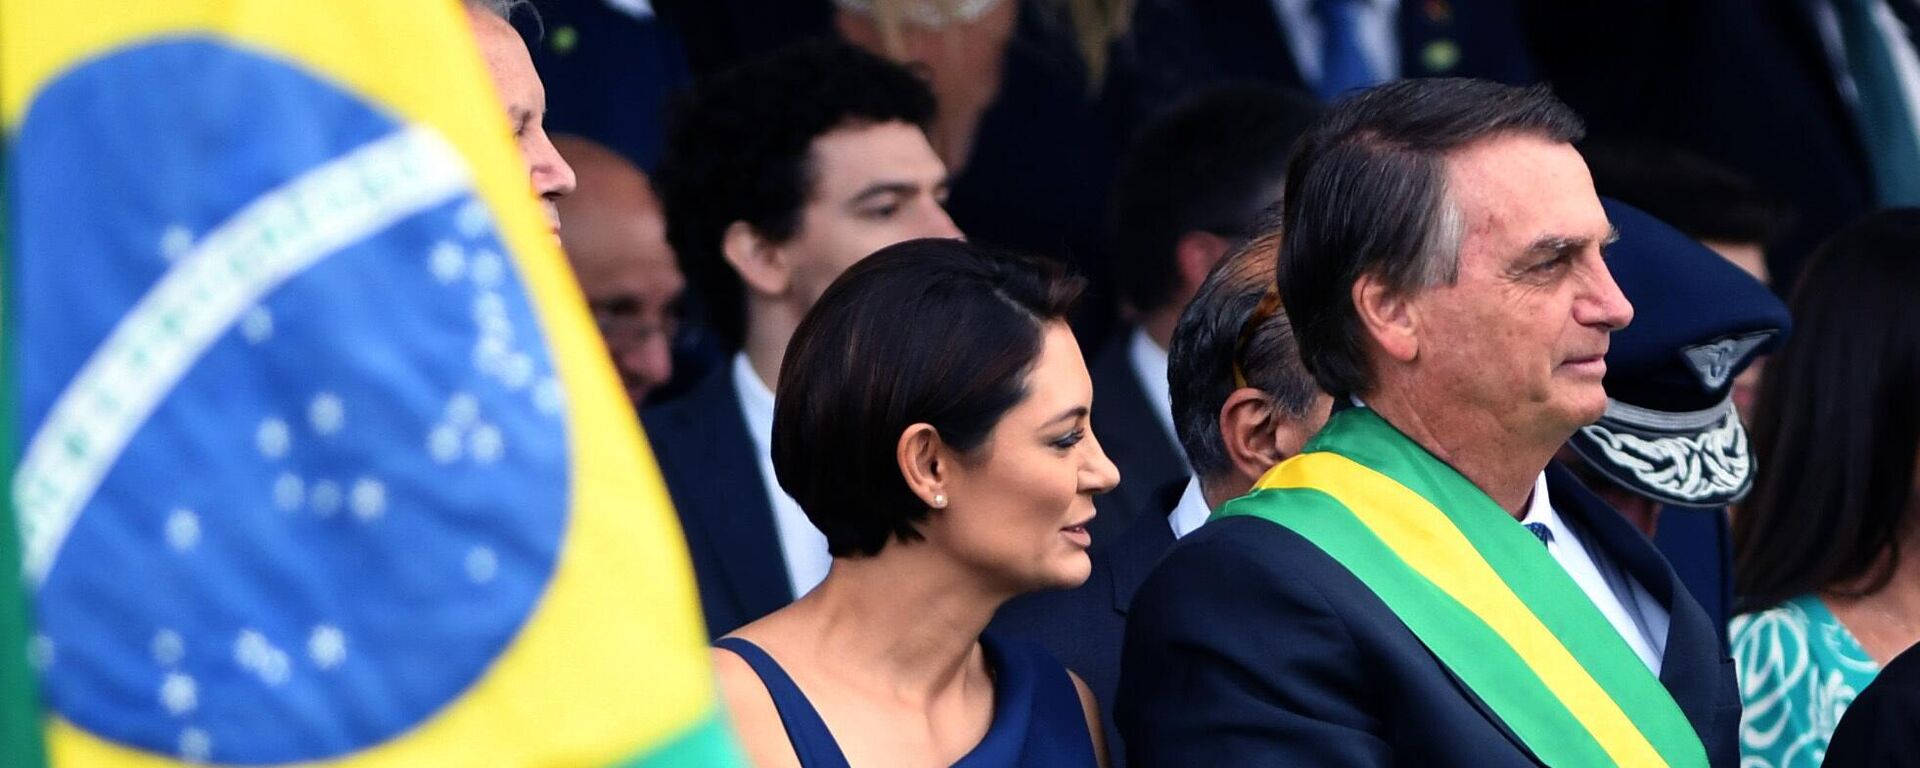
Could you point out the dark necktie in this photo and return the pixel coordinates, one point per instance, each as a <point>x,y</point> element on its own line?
<point>1886,119</point>
<point>1343,62</point>
<point>1540,531</point>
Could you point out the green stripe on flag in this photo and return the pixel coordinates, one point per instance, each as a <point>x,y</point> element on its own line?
<point>19,708</point>
<point>708,743</point>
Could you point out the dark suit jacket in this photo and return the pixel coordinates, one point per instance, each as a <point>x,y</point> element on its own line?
<point>1132,436</point>
<point>1036,180</point>
<point>1879,728</point>
<point>1249,646</point>
<point>723,33</point>
<point>1083,626</point>
<point>1179,44</point>
<point>1699,545</point>
<point>708,460</point>
<point>608,75</point>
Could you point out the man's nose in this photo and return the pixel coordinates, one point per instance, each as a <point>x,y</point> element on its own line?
<point>649,362</point>
<point>552,177</point>
<point>937,223</point>
<point>1603,304</point>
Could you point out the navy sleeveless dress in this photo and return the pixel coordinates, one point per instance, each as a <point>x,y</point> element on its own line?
<point>1037,719</point>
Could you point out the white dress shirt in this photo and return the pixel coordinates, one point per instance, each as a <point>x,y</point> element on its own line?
<point>1379,36</point>
<point>1639,618</point>
<point>804,546</point>
<point>1150,368</point>
<point>1191,511</point>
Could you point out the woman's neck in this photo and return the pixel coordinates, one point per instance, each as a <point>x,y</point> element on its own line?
<point>901,619</point>
<point>1885,621</point>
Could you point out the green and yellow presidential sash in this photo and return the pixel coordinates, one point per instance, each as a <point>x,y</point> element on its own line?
<point>1481,593</point>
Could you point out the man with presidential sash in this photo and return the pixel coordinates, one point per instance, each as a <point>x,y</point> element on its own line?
<point>1418,587</point>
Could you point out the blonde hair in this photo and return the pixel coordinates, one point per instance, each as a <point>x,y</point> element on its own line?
<point>1096,23</point>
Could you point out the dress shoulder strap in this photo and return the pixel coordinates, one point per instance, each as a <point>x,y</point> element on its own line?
<point>811,740</point>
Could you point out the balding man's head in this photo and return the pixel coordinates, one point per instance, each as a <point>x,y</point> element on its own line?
<point>616,238</point>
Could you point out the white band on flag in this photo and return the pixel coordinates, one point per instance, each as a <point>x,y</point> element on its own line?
<point>275,237</point>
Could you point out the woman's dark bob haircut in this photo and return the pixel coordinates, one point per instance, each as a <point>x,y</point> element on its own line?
<point>941,332</point>
<point>1838,423</point>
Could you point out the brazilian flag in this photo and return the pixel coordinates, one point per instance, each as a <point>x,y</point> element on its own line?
<point>315,456</point>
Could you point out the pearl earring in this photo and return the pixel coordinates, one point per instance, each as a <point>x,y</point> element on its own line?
<point>939,501</point>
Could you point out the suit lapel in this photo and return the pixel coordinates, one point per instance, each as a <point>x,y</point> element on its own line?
<point>1138,550</point>
<point>1486,711</point>
<point>1689,668</point>
<point>730,503</point>
<point>1124,420</point>
<point>1690,636</point>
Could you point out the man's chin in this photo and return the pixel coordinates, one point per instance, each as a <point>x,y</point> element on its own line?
<point>1580,406</point>
<point>1590,412</point>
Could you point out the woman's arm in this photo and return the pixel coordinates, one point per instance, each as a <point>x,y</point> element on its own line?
<point>756,723</point>
<point>1091,708</point>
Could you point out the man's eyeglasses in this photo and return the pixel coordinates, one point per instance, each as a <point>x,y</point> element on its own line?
<point>626,321</point>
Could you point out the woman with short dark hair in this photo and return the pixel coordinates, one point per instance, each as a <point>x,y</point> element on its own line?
<point>932,422</point>
<point>1826,550</point>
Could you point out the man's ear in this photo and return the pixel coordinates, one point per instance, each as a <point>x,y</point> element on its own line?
<point>1290,435</point>
<point>1194,256</point>
<point>920,454</point>
<point>761,263</point>
<point>1388,317</point>
<point>1247,421</point>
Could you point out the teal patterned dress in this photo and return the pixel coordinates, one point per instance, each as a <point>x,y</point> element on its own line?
<point>1799,669</point>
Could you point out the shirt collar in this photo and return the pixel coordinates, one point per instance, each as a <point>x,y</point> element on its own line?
<point>756,402</point>
<point>1149,363</point>
<point>1540,508</point>
<point>1191,511</point>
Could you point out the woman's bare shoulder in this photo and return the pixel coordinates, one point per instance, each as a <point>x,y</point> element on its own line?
<point>756,722</point>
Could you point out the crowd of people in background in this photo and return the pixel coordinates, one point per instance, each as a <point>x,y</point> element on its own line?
<point>1346,382</point>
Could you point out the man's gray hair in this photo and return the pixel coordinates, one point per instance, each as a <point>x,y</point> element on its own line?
<point>1219,338</point>
<point>501,8</point>
<point>1367,194</point>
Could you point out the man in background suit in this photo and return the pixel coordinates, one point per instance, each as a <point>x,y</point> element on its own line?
<point>1817,100</point>
<point>1419,585</point>
<point>778,175</point>
<point>1242,403</point>
<point>1193,187</point>
<point>611,66</point>
<point>616,241</point>
<point>1326,47</point>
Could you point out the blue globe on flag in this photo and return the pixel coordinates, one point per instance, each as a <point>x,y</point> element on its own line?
<point>270,416</point>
